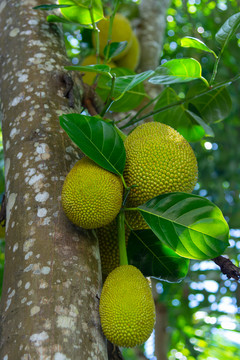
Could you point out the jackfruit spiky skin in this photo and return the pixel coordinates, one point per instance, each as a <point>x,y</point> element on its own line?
<point>108,246</point>
<point>91,195</point>
<point>131,59</point>
<point>126,307</point>
<point>159,160</point>
<point>89,77</point>
<point>121,31</point>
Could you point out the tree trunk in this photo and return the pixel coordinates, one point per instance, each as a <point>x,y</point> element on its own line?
<point>49,306</point>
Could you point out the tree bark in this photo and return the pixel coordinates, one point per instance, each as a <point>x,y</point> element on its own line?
<point>52,278</point>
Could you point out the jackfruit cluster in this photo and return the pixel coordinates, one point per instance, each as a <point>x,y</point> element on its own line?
<point>126,308</point>
<point>91,195</point>
<point>121,31</point>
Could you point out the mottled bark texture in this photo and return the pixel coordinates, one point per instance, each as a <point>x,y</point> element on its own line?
<point>49,307</point>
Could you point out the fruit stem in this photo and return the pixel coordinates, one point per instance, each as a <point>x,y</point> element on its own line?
<point>96,33</point>
<point>110,99</point>
<point>121,239</point>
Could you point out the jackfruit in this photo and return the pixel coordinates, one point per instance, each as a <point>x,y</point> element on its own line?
<point>108,246</point>
<point>92,60</point>
<point>91,195</point>
<point>127,310</point>
<point>158,160</point>
<point>121,31</point>
<point>131,59</point>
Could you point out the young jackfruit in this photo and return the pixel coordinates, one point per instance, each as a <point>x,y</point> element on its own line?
<point>126,307</point>
<point>108,246</point>
<point>91,195</point>
<point>131,59</point>
<point>92,60</point>
<point>121,31</point>
<point>159,160</point>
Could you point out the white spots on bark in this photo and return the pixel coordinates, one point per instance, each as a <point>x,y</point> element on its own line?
<point>28,255</point>
<point>37,339</point>
<point>34,310</point>
<point>14,32</point>
<point>10,204</point>
<point>60,356</point>
<point>14,132</point>
<point>19,283</point>
<point>45,270</point>
<point>5,356</point>
<point>23,78</point>
<point>7,144</point>
<point>17,100</point>
<point>66,322</point>
<point>42,196</point>
<point>2,6</point>
<point>7,166</point>
<point>35,178</point>
<point>28,244</point>
<point>19,155</point>
<point>15,247</point>
<point>42,212</point>
<point>27,285</point>
<point>43,284</point>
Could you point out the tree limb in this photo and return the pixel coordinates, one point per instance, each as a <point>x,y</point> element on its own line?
<point>227,267</point>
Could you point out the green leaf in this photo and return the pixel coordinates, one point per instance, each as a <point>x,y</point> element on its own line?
<point>228,29</point>
<point>100,69</point>
<point>154,259</point>
<point>79,11</point>
<point>177,71</point>
<point>97,139</point>
<point>208,130</point>
<point>50,7</point>
<point>114,49</point>
<point>190,225</point>
<point>195,43</point>
<point>131,98</point>
<point>178,116</point>
<point>213,106</point>
<point>126,83</point>
<point>60,19</point>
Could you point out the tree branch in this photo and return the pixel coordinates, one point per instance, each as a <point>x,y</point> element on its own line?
<point>227,267</point>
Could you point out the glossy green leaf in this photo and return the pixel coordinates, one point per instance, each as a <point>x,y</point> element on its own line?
<point>50,7</point>
<point>126,83</point>
<point>190,225</point>
<point>97,139</point>
<point>130,100</point>
<point>213,106</point>
<point>178,116</point>
<point>61,19</point>
<point>228,29</point>
<point>177,71</point>
<point>100,69</point>
<point>152,258</point>
<point>208,130</point>
<point>79,11</point>
<point>114,49</point>
<point>195,43</point>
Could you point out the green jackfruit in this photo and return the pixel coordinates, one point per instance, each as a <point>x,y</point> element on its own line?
<point>159,160</point>
<point>91,195</point>
<point>126,307</point>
